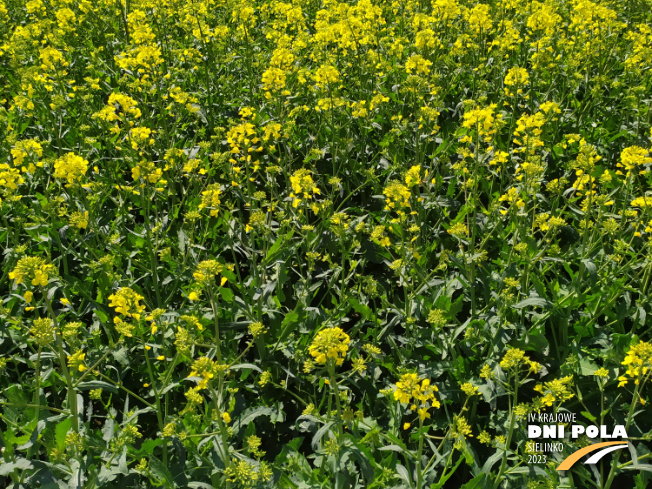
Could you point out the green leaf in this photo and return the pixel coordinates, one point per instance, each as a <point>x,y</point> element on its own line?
<point>241,366</point>
<point>249,414</point>
<point>161,471</point>
<point>645,467</point>
<point>532,302</point>
<point>589,416</point>
<point>365,311</point>
<point>269,258</point>
<point>97,384</point>
<point>60,433</point>
<point>448,475</point>
<point>227,294</point>
<point>103,317</point>
<point>320,434</point>
<point>182,241</point>
<point>121,356</point>
<point>290,318</point>
<point>148,446</point>
<point>474,483</point>
<point>20,464</point>
<point>491,461</point>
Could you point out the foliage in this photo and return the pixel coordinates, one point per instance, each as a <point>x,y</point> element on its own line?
<point>321,244</point>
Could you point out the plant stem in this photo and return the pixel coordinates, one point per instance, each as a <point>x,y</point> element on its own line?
<point>614,462</point>
<point>512,419</point>
<point>72,394</point>
<point>419,454</point>
<point>218,351</point>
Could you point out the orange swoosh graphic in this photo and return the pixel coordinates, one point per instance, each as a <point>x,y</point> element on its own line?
<point>575,456</point>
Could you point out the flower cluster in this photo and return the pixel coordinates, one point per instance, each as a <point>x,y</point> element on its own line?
<point>632,158</point>
<point>639,364</point>
<point>205,369</point>
<point>419,393</point>
<point>303,186</point>
<point>518,78</point>
<point>515,361</point>
<point>76,361</point>
<point>207,270</point>
<point>126,301</point>
<point>330,343</point>
<point>117,105</point>
<point>557,390</point>
<point>26,151</point>
<point>210,199</point>
<point>483,120</point>
<point>70,167</point>
<point>34,269</point>
<point>43,331</point>
<point>397,197</point>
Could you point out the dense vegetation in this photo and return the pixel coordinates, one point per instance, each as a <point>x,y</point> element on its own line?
<point>256,243</point>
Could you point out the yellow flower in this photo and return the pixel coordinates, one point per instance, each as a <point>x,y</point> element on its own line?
<point>207,270</point>
<point>29,149</point>
<point>70,167</point>
<point>226,417</point>
<point>557,390</point>
<point>43,331</point>
<point>418,64</point>
<point>458,230</point>
<point>413,177</point>
<point>516,77</point>
<point>28,296</point>
<point>210,199</point>
<point>632,157</point>
<point>461,427</point>
<point>397,197</point>
<point>420,392</point>
<point>359,365</point>
<point>601,372</point>
<point>642,202</point>
<point>484,438</point>
<point>303,186</point>
<point>639,364</point>
<point>423,413</point>
<point>469,389</point>
<point>76,361</point>
<point>485,121</point>
<point>486,372</point>
<point>126,301</point>
<point>515,360</point>
<point>330,343</point>
<point>32,268</point>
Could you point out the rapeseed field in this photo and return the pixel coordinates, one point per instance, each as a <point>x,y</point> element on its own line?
<point>322,244</point>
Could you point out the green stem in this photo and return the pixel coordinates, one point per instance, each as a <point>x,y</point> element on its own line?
<point>336,390</point>
<point>220,422</point>
<point>630,417</point>
<point>512,419</point>
<point>72,394</point>
<point>151,249</point>
<point>157,397</point>
<point>419,455</point>
<point>218,351</point>
<point>120,386</point>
